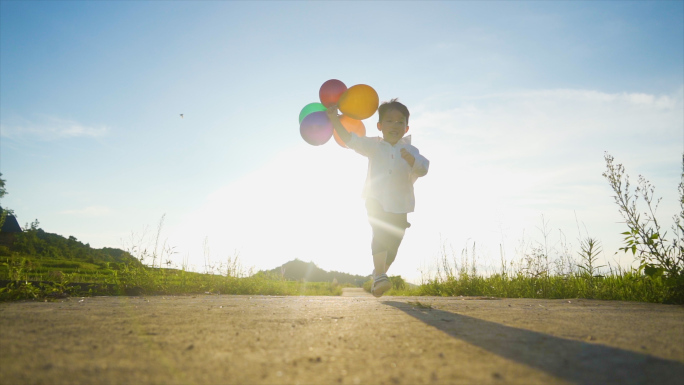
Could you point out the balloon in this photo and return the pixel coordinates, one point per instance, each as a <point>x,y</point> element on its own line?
<point>352,125</point>
<point>331,91</point>
<point>309,108</point>
<point>316,128</point>
<point>359,102</point>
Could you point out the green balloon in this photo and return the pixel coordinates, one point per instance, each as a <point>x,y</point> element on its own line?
<point>309,108</point>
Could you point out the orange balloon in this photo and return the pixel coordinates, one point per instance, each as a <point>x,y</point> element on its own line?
<point>352,125</point>
<point>359,102</point>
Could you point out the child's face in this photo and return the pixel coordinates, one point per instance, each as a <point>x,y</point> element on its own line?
<point>393,126</point>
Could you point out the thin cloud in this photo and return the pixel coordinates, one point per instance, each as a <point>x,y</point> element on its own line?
<point>51,128</point>
<point>530,123</point>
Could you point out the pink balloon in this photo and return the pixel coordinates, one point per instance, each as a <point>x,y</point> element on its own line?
<point>316,128</point>
<point>331,91</point>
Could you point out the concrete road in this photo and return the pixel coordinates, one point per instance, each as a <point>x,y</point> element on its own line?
<point>353,339</point>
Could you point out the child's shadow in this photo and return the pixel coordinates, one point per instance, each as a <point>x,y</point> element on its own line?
<point>575,361</point>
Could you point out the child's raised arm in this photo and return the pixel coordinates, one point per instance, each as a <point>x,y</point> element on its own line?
<point>339,128</point>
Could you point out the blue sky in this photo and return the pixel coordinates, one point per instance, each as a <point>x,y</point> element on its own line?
<point>514,103</point>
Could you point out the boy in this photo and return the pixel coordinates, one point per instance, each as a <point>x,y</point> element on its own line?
<point>393,167</point>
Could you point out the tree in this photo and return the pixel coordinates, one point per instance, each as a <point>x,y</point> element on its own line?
<point>3,192</point>
<point>4,213</point>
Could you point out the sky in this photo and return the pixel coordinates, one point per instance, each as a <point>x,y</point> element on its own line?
<point>515,105</point>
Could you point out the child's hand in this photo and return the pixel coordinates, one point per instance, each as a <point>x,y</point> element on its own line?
<point>410,159</point>
<point>332,111</point>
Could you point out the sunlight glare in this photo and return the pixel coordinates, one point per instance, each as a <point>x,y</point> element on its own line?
<point>303,204</point>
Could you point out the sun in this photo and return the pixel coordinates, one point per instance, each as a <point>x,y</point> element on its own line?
<point>305,203</point>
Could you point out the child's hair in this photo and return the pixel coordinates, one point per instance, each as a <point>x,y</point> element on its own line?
<point>393,105</point>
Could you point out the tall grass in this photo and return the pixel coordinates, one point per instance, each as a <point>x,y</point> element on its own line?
<point>545,272</point>
<point>32,277</point>
<point>538,274</point>
<point>28,281</point>
<point>661,255</point>
<point>541,270</point>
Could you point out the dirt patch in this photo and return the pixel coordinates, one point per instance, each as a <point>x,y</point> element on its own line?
<point>353,339</point>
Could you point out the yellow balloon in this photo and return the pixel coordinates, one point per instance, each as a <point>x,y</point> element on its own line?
<point>359,102</point>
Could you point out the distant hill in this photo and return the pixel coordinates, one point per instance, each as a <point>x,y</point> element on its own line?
<point>38,243</point>
<point>308,271</point>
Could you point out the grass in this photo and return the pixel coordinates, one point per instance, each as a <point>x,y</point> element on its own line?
<point>541,271</point>
<point>539,275</point>
<point>40,279</point>
<point>627,286</point>
<point>547,272</point>
<point>42,266</point>
<point>31,278</point>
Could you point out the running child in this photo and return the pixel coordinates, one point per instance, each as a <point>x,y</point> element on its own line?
<point>394,165</point>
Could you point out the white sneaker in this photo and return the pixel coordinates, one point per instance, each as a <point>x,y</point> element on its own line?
<point>380,285</point>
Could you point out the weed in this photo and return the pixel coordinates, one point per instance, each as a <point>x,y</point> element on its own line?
<point>659,257</point>
<point>543,270</point>
<point>591,248</point>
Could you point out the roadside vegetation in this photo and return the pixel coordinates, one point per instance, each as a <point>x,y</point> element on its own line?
<point>43,266</point>
<point>542,271</point>
<point>30,277</point>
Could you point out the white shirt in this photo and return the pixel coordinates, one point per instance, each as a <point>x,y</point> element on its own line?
<point>390,179</point>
